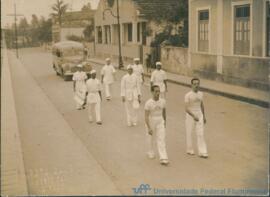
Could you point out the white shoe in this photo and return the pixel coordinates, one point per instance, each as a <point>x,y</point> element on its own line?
<point>134,124</point>
<point>164,162</point>
<point>205,155</point>
<point>129,124</point>
<point>190,152</point>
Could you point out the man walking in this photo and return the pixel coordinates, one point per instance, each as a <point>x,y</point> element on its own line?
<point>138,70</point>
<point>107,77</point>
<point>94,97</point>
<point>131,95</point>
<point>155,120</point>
<point>159,78</point>
<point>195,119</point>
<point>79,88</point>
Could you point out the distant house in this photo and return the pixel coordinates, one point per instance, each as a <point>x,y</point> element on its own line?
<point>229,40</point>
<point>73,23</point>
<point>136,32</point>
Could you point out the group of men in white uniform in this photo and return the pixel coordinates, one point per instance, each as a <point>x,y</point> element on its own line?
<point>155,108</point>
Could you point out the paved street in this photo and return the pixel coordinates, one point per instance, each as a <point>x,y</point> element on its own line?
<point>236,135</point>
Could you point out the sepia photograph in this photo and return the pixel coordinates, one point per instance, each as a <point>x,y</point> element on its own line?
<point>135,97</point>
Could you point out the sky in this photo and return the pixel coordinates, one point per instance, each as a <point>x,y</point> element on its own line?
<point>38,7</point>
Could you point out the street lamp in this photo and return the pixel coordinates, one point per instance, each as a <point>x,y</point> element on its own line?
<point>119,36</point>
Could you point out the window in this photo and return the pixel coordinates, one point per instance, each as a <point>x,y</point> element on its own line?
<point>138,32</point>
<point>268,29</point>
<point>129,30</point>
<point>242,30</point>
<point>203,31</point>
<point>99,35</point>
<point>107,34</point>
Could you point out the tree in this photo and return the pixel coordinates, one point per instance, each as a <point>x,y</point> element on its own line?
<point>45,30</point>
<point>59,8</point>
<point>87,7</point>
<point>173,14</point>
<point>34,30</point>
<point>23,29</point>
<point>89,31</point>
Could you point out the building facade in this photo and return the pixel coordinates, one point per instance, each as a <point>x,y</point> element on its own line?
<point>229,41</point>
<point>132,30</point>
<point>136,31</point>
<point>73,24</point>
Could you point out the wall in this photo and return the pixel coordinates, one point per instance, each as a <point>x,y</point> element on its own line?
<point>246,71</point>
<point>250,71</point>
<point>175,60</point>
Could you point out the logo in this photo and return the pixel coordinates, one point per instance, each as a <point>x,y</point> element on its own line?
<point>142,189</point>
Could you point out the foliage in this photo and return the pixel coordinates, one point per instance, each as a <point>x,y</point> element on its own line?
<point>169,12</point>
<point>37,32</point>
<point>86,7</point>
<point>88,32</point>
<point>59,9</point>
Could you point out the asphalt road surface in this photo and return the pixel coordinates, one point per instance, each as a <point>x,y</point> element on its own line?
<point>236,136</point>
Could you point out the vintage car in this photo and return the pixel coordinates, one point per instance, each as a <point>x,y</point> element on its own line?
<point>66,56</point>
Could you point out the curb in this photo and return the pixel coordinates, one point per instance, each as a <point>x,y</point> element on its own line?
<point>249,100</point>
<point>13,176</point>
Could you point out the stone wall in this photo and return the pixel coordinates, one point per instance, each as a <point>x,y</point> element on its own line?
<point>175,59</point>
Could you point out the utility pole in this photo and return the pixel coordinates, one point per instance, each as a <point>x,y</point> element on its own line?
<point>119,37</point>
<point>119,33</point>
<point>16,34</point>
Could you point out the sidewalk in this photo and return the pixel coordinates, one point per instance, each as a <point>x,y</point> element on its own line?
<point>252,96</point>
<point>13,179</point>
<point>56,161</point>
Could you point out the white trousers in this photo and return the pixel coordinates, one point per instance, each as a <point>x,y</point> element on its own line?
<point>95,106</point>
<point>158,128</point>
<point>131,112</point>
<point>108,88</point>
<point>198,127</point>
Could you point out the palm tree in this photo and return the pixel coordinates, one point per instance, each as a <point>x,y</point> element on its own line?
<point>59,8</point>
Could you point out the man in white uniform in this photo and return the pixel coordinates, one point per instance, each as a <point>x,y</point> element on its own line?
<point>195,119</point>
<point>155,120</point>
<point>94,97</point>
<point>159,77</point>
<point>79,88</point>
<point>131,95</point>
<point>107,76</point>
<point>138,70</point>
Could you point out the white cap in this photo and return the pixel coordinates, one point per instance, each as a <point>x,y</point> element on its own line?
<point>158,63</point>
<point>93,71</point>
<point>136,59</point>
<point>107,59</point>
<point>129,67</point>
<point>79,66</point>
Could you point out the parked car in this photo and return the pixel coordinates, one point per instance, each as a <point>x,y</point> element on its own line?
<point>66,56</point>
